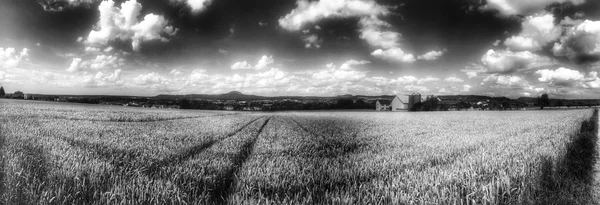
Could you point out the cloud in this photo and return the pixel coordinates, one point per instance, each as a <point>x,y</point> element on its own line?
<point>262,63</point>
<point>523,7</point>
<point>10,58</point>
<point>431,55</point>
<point>394,55</point>
<point>196,5</point>
<point>60,5</point>
<point>175,72</point>
<point>376,33</point>
<point>466,88</point>
<point>508,61</point>
<point>98,63</point>
<point>308,12</point>
<point>344,73</point>
<point>104,80</point>
<point>312,41</point>
<point>427,79</point>
<point>537,31</point>
<point>581,43</point>
<point>561,76</point>
<point>122,23</point>
<point>75,65</point>
<point>152,78</point>
<point>506,81</point>
<point>454,80</point>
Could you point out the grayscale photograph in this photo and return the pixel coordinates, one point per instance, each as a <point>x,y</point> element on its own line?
<point>202,102</point>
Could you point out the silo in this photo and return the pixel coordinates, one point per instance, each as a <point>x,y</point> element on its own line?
<point>413,99</point>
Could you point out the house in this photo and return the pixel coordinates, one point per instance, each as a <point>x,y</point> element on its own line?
<point>228,107</point>
<point>398,103</point>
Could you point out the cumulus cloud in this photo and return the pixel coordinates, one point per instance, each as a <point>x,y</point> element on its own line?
<point>262,63</point>
<point>581,43</point>
<point>104,80</point>
<point>466,88</point>
<point>60,5</point>
<point>98,63</point>
<point>394,55</point>
<point>312,41</point>
<point>431,55</point>
<point>427,79</point>
<point>10,58</point>
<point>561,76</point>
<point>195,5</point>
<point>506,80</point>
<point>454,80</point>
<point>75,65</point>
<point>377,33</point>
<point>344,73</point>
<point>523,7</point>
<point>308,12</point>
<point>537,31</point>
<point>507,61</point>
<point>122,23</point>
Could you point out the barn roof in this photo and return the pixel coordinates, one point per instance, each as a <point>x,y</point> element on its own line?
<point>385,102</point>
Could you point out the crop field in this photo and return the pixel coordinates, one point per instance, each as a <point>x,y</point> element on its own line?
<point>64,153</point>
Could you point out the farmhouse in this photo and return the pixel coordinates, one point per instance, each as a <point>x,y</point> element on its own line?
<point>397,103</point>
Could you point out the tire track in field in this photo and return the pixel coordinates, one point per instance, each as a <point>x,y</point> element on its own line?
<point>224,189</point>
<point>194,150</point>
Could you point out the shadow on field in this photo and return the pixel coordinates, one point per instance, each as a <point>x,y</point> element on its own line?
<point>569,180</point>
<point>328,155</point>
<point>127,163</point>
<point>221,194</point>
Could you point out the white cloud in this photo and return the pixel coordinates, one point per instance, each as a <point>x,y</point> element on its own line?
<point>152,78</point>
<point>175,72</point>
<point>454,80</point>
<point>348,64</point>
<point>262,63</point>
<point>466,88</point>
<point>98,63</point>
<point>195,5</point>
<point>580,43</point>
<point>60,5</point>
<point>508,61</point>
<point>431,55</point>
<point>310,12</point>
<point>561,76</point>
<point>427,79</point>
<point>10,58</point>
<point>75,65</point>
<point>122,23</point>
<point>394,55</point>
<point>104,80</point>
<point>376,33</point>
<point>523,7</point>
<point>537,31</point>
<point>312,41</point>
<point>593,81</point>
<point>506,80</point>
<point>241,65</point>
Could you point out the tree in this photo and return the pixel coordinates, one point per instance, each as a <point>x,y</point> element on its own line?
<point>2,92</point>
<point>544,101</point>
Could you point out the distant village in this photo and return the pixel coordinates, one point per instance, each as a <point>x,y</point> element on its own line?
<point>236,101</point>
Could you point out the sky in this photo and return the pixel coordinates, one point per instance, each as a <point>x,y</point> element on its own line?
<point>509,48</point>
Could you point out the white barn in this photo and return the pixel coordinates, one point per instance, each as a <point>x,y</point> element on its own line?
<point>398,103</point>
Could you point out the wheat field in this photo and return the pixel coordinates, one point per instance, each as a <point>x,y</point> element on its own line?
<point>64,153</point>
